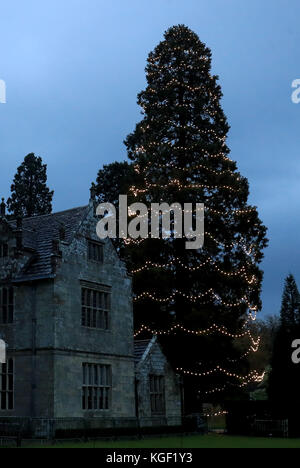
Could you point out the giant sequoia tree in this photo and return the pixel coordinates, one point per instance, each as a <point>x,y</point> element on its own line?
<point>30,195</point>
<point>197,300</point>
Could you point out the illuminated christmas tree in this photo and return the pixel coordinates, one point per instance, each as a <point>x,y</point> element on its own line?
<point>198,301</point>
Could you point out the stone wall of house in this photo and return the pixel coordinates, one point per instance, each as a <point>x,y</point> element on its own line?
<point>156,363</point>
<point>30,340</point>
<point>75,344</point>
<point>32,328</point>
<point>49,344</point>
<point>75,270</point>
<point>68,386</point>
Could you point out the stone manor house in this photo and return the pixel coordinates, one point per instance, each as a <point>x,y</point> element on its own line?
<point>66,318</point>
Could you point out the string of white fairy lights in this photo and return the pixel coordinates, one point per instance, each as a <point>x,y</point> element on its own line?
<point>241,272</point>
<point>221,155</point>
<point>159,56</point>
<point>213,391</point>
<point>235,212</point>
<point>154,61</point>
<point>165,104</point>
<point>229,384</point>
<point>204,332</point>
<point>193,298</point>
<point>176,82</point>
<point>193,167</point>
<point>231,245</point>
<point>178,126</point>
<point>207,111</point>
<point>254,346</point>
<point>251,349</point>
<point>129,241</point>
<point>176,183</point>
<point>253,376</point>
<point>215,414</point>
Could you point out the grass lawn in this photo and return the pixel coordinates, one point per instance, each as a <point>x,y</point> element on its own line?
<point>209,441</point>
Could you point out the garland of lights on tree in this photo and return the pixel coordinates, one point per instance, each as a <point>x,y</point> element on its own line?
<point>198,301</point>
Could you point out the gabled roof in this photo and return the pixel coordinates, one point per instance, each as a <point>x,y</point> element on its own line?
<point>38,234</point>
<point>141,348</point>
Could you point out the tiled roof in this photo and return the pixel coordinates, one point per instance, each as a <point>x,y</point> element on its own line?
<point>140,347</point>
<point>38,234</point>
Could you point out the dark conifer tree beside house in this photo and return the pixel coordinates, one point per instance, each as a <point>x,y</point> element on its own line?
<point>284,378</point>
<point>30,195</point>
<point>114,180</point>
<point>198,300</point>
<point>290,307</point>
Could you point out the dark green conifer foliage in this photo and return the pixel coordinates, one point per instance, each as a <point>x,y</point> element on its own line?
<point>30,195</point>
<point>284,378</point>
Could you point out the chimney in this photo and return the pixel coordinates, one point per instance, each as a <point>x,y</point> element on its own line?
<point>55,247</point>
<point>19,222</point>
<point>62,233</point>
<point>93,192</point>
<point>53,263</point>
<point>3,208</point>
<point>56,254</point>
